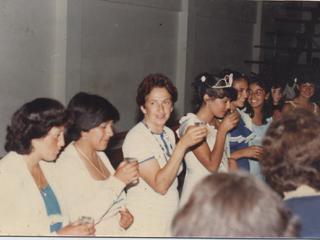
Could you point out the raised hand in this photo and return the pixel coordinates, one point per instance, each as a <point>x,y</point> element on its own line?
<point>229,122</point>
<point>194,135</point>
<point>127,172</point>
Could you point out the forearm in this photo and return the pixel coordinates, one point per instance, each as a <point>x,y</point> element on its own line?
<point>166,175</point>
<point>217,151</point>
<point>238,154</point>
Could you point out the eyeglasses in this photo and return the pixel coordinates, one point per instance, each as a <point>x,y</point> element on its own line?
<point>257,93</point>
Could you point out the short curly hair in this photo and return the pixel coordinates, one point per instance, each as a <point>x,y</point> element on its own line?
<point>291,151</point>
<point>152,81</point>
<point>31,121</point>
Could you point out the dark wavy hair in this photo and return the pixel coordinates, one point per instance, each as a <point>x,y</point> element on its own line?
<point>262,82</point>
<point>234,205</point>
<point>203,85</point>
<point>291,151</point>
<point>86,111</point>
<point>152,81</point>
<point>303,78</point>
<point>274,85</point>
<point>31,121</point>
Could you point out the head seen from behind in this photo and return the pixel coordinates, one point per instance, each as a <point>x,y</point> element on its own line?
<point>291,157</point>
<point>37,128</point>
<point>234,205</point>
<point>90,119</point>
<point>213,93</point>
<point>156,96</point>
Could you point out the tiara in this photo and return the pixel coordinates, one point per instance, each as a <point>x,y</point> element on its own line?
<point>227,80</point>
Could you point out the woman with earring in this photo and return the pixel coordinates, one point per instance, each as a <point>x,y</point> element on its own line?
<point>31,204</point>
<point>90,185</point>
<point>154,200</point>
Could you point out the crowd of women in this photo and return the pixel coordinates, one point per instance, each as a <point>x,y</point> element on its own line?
<point>57,180</point>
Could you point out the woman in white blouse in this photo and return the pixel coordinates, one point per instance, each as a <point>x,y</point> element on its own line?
<point>31,204</point>
<point>90,184</point>
<point>154,200</point>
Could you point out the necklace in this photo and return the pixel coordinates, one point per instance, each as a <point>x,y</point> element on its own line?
<point>167,149</point>
<point>99,171</point>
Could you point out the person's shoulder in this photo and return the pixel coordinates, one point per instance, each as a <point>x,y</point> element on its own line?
<point>169,131</point>
<point>135,133</point>
<point>186,121</point>
<point>10,159</point>
<point>67,155</point>
<point>188,117</point>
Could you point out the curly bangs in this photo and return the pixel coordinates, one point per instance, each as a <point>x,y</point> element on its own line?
<point>87,111</point>
<point>33,120</point>
<point>152,81</point>
<point>291,151</point>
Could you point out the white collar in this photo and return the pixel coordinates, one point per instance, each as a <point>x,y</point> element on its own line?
<point>302,191</point>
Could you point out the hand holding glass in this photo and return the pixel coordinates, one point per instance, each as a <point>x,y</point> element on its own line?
<point>131,159</point>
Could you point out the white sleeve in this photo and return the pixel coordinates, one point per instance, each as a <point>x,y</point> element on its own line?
<point>136,146</point>
<point>185,122</point>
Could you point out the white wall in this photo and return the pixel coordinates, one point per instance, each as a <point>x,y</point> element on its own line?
<point>55,48</point>
<point>220,36</point>
<point>117,44</point>
<point>27,54</point>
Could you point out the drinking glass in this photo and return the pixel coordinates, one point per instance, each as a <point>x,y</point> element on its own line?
<point>199,123</point>
<point>131,159</point>
<point>85,220</point>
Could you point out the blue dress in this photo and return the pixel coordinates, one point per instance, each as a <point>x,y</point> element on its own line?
<point>259,131</point>
<point>239,138</point>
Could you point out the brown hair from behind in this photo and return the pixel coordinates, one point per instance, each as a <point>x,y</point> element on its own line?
<point>292,157</point>
<point>234,205</point>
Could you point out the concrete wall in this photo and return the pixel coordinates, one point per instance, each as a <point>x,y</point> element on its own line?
<point>55,48</point>
<point>119,42</point>
<point>27,55</point>
<point>113,44</point>
<point>220,35</point>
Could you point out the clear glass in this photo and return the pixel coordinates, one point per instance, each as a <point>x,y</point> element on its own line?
<point>131,159</point>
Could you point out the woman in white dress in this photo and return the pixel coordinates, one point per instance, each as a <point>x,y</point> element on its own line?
<point>91,186</point>
<point>31,204</point>
<point>212,97</point>
<point>154,200</point>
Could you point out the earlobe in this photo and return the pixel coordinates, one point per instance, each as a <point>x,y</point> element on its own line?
<point>143,110</point>
<point>206,98</point>
<point>83,134</point>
